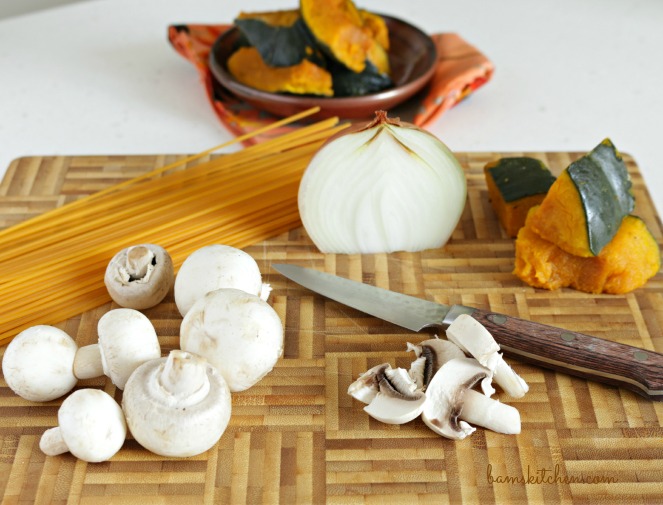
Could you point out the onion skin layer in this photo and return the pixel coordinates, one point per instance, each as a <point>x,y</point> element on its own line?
<point>382,187</point>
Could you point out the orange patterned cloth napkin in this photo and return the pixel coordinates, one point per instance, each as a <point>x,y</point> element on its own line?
<point>461,69</point>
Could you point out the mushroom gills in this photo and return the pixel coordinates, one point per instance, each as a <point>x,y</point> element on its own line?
<point>391,394</point>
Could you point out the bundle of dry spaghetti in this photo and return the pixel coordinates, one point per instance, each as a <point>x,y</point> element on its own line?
<point>52,266</point>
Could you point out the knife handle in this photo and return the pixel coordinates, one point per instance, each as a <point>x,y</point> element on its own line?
<point>577,354</point>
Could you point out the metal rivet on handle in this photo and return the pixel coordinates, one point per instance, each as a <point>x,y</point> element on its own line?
<point>567,336</point>
<point>497,318</point>
<point>640,355</point>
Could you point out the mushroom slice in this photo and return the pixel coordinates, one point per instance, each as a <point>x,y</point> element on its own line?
<point>140,276</point>
<point>38,363</point>
<point>91,426</point>
<point>391,394</point>
<point>177,406</point>
<point>214,267</point>
<point>473,338</point>
<point>447,407</point>
<point>366,387</point>
<point>127,339</point>
<point>431,355</point>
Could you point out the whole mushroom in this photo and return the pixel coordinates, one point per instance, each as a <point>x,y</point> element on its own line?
<point>140,276</point>
<point>38,363</point>
<point>127,339</point>
<point>177,406</point>
<point>237,332</point>
<point>213,267</point>
<point>91,426</point>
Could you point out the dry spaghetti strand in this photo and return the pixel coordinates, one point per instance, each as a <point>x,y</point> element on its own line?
<point>51,266</point>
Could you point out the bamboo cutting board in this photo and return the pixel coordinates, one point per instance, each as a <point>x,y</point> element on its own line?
<point>297,437</point>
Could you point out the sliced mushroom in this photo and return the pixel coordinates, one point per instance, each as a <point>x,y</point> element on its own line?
<point>177,406</point>
<point>91,426</point>
<point>473,338</point>
<point>213,267</point>
<point>447,404</point>
<point>431,355</point>
<point>391,394</point>
<point>127,339</point>
<point>38,363</point>
<point>140,276</point>
<point>237,332</point>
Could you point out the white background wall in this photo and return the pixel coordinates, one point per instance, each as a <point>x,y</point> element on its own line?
<point>10,8</point>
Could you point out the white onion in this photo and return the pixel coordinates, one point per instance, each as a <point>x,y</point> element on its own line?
<point>389,186</point>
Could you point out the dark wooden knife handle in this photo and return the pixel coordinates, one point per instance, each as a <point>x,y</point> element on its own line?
<point>577,354</point>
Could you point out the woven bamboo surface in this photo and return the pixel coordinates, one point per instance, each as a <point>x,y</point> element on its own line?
<point>297,437</point>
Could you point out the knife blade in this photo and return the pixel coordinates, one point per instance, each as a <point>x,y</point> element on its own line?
<point>562,350</point>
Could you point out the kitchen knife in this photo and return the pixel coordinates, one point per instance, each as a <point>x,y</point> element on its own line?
<point>558,349</point>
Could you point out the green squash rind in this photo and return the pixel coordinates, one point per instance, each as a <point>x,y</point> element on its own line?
<point>604,186</point>
<point>520,176</point>
<point>280,46</point>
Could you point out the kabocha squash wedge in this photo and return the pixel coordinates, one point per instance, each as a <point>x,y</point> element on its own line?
<point>281,37</point>
<point>247,66</point>
<point>340,30</point>
<point>626,263</point>
<point>585,206</point>
<point>515,185</point>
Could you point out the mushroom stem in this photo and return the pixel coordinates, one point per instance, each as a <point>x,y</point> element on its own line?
<point>184,377</point>
<point>484,411</point>
<point>139,261</point>
<point>52,443</point>
<point>88,362</point>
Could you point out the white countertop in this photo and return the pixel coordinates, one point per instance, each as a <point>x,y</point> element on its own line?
<point>99,77</point>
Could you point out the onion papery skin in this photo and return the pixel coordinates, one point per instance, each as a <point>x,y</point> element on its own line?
<point>385,188</point>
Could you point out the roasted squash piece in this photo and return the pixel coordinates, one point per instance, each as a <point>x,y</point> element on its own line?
<point>584,208</point>
<point>248,67</point>
<point>626,263</point>
<point>281,37</point>
<point>515,185</point>
<point>376,26</point>
<point>339,29</point>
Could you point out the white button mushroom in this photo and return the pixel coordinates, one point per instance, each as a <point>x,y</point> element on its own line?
<point>391,394</point>
<point>139,277</point>
<point>38,363</point>
<point>473,338</point>
<point>451,399</point>
<point>237,332</point>
<point>127,339</point>
<point>213,267</point>
<point>177,406</point>
<point>91,426</point>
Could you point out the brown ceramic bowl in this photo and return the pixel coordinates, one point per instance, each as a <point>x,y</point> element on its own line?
<point>412,57</point>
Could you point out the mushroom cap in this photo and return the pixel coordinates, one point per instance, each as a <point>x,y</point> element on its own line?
<point>92,425</point>
<point>127,339</point>
<point>169,425</point>
<point>213,267</point>
<point>446,391</point>
<point>237,332</point>
<point>143,290</point>
<point>38,363</point>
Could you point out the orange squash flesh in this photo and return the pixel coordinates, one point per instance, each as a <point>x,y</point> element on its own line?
<point>561,218</point>
<point>248,67</point>
<point>340,27</point>
<point>515,185</point>
<point>626,263</point>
